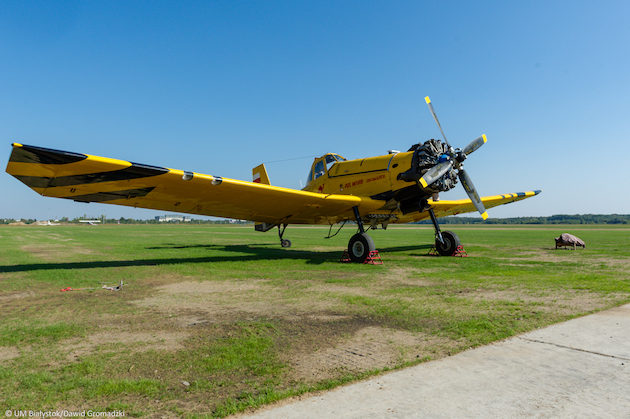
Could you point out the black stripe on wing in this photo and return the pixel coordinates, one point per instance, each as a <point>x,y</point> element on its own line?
<point>32,154</point>
<point>112,195</point>
<point>135,171</point>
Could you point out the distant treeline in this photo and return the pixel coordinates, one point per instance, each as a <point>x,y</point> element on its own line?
<point>121,220</point>
<point>554,219</point>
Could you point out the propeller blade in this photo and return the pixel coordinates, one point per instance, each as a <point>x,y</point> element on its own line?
<point>472,193</point>
<point>475,144</point>
<point>435,173</point>
<point>426,99</point>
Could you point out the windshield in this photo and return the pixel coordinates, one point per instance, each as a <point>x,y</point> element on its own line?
<point>319,169</point>
<point>330,160</point>
<point>323,165</point>
<point>339,158</point>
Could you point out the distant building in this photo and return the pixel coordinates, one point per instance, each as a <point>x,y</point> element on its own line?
<point>172,219</point>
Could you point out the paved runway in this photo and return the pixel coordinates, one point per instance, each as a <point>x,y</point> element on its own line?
<point>580,368</point>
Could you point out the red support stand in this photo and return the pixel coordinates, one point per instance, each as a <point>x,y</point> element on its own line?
<point>460,252</point>
<point>373,258</point>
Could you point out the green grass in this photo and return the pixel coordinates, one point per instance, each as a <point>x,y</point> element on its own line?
<point>213,320</point>
<point>21,334</point>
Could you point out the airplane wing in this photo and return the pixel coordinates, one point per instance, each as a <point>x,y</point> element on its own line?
<point>442,208</point>
<point>86,178</point>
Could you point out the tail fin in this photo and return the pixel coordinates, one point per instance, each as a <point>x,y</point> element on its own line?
<point>260,174</point>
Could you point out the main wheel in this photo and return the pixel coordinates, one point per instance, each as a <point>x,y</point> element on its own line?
<point>449,246</point>
<point>360,246</point>
<point>285,243</point>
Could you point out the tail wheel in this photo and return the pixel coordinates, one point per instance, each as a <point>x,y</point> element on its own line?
<point>360,246</point>
<point>449,244</point>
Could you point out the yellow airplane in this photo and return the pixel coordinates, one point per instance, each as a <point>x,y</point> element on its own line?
<point>399,187</point>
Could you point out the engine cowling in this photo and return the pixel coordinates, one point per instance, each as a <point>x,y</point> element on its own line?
<point>425,156</point>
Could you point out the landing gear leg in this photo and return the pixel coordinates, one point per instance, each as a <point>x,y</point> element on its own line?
<point>360,244</point>
<point>446,242</point>
<point>283,242</point>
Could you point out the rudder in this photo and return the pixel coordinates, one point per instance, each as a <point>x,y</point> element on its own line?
<point>259,175</point>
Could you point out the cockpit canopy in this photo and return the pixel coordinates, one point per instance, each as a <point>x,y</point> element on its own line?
<point>322,164</point>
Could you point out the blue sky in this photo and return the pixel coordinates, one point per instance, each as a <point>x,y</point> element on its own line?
<point>218,87</point>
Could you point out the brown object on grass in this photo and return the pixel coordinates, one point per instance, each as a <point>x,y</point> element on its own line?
<point>569,240</point>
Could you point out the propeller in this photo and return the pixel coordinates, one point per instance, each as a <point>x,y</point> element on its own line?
<point>435,173</point>
<point>455,158</point>
<point>475,144</point>
<point>472,192</point>
<point>426,99</point>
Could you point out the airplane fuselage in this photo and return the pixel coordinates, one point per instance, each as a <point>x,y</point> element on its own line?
<point>391,178</point>
<point>363,177</point>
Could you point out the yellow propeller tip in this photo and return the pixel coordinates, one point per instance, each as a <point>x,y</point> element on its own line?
<point>423,182</point>
<point>426,99</point>
<point>16,145</point>
<point>484,215</point>
<point>485,139</point>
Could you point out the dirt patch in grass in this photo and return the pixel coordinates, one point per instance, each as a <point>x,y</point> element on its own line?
<point>368,348</point>
<point>8,352</point>
<point>551,255</point>
<point>613,262</point>
<point>327,318</point>
<point>542,255</point>
<point>59,237</point>
<point>53,252</point>
<point>393,277</point>
<point>212,287</point>
<point>567,255</point>
<point>323,341</point>
<point>408,276</point>
<point>15,296</point>
<point>118,340</point>
<point>193,303</point>
<point>218,301</point>
<point>341,289</point>
<point>565,303</point>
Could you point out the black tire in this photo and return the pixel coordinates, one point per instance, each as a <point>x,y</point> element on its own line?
<point>359,247</point>
<point>285,243</point>
<point>451,242</point>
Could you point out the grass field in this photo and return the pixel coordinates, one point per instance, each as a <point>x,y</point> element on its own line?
<point>216,319</point>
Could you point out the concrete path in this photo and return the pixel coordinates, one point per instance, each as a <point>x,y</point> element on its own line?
<point>580,368</point>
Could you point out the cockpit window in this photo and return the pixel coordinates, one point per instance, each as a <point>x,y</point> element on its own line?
<point>323,165</point>
<point>330,160</point>
<point>339,158</point>
<point>319,169</point>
